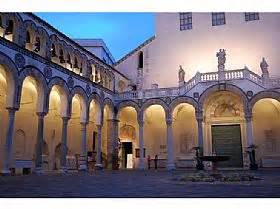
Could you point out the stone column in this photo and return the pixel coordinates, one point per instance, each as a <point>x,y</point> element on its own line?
<point>40,141</point>
<point>141,144</point>
<point>199,119</point>
<point>64,144</point>
<point>249,130</point>
<point>9,142</point>
<point>83,152</point>
<point>112,144</point>
<point>170,154</point>
<point>200,134</point>
<point>98,163</point>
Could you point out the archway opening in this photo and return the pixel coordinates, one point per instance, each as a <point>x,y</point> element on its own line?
<point>266,123</point>
<point>185,134</point>
<point>53,128</point>
<point>92,133</point>
<point>25,137</point>
<point>155,134</point>
<point>225,127</point>
<point>74,132</point>
<point>129,152</point>
<point>3,111</point>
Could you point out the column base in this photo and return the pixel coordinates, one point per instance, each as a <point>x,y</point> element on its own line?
<point>171,166</point>
<point>98,166</point>
<point>5,172</point>
<point>39,171</point>
<point>63,170</point>
<point>82,167</point>
<point>141,167</point>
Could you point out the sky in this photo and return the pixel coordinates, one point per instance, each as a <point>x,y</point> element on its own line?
<point>122,32</point>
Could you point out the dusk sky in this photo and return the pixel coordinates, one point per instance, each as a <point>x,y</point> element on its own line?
<point>121,32</point>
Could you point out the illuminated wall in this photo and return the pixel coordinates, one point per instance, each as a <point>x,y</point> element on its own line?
<point>246,42</point>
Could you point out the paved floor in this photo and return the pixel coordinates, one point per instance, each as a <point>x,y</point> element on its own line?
<point>134,184</point>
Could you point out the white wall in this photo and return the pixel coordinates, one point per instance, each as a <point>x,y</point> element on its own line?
<point>245,43</point>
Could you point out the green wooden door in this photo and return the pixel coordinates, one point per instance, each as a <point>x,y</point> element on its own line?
<point>226,140</point>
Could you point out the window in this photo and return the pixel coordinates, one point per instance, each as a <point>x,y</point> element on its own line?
<point>37,45</point>
<point>185,21</point>
<point>141,60</point>
<point>250,16</point>
<point>28,39</point>
<point>10,28</point>
<point>218,18</point>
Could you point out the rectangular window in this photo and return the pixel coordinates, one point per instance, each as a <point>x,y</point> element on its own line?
<point>218,18</point>
<point>185,21</point>
<point>250,16</point>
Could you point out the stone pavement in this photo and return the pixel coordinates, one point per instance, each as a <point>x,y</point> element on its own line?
<point>134,183</point>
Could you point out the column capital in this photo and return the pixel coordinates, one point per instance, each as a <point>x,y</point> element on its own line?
<point>65,119</point>
<point>41,114</point>
<point>12,109</point>
<point>84,123</point>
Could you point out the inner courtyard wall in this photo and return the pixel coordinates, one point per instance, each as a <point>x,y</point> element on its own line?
<point>245,42</point>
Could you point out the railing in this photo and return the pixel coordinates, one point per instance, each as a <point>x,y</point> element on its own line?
<point>239,74</point>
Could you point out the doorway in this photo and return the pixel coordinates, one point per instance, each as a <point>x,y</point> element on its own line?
<point>127,159</point>
<point>227,141</point>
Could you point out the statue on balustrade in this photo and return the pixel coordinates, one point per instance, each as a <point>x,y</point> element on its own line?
<point>181,75</point>
<point>221,59</point>
<point>264,68</point>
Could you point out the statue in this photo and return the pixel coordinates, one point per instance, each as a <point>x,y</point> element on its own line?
<point>181,75</point>
<point>221,59</point>
<point>264,67</point>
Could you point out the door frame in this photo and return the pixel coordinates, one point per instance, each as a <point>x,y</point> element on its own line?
<point>241,141</point>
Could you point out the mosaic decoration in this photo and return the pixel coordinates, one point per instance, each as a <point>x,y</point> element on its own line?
<point>19,60</point>
<point>48,72</point>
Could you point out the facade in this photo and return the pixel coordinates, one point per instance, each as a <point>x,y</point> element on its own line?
<point>206,80</point>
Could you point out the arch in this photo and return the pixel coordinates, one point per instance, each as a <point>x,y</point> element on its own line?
<point>183,99</point>
<point>228,87</point>
<point>64,92</point>
<point>12,82</point>
<point>40,83</point>
<point>124,104</point>
<point>264,94</point>
<point>78,90</point>
<point>151,102</point>
<point>107,101</point>
<point>95,97</point>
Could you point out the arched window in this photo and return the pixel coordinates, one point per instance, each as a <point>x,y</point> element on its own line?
<point>27,40</point>
<point>81,69</point>
<point>37,45</point>
<point>76,63</point>
<point>53,51</point>
<point>61,57</point>
<point>140,60</point>
<point>69,60</point>
<point>1,24</point>
<point>10,28</point>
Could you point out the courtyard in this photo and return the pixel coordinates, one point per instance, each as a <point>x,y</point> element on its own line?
<point>135,183</point>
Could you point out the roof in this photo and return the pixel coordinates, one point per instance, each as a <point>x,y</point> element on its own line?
<point>135,50</point>
<point>94,42</point>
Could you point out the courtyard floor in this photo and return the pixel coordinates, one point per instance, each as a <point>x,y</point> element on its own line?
<point>134,183</point>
